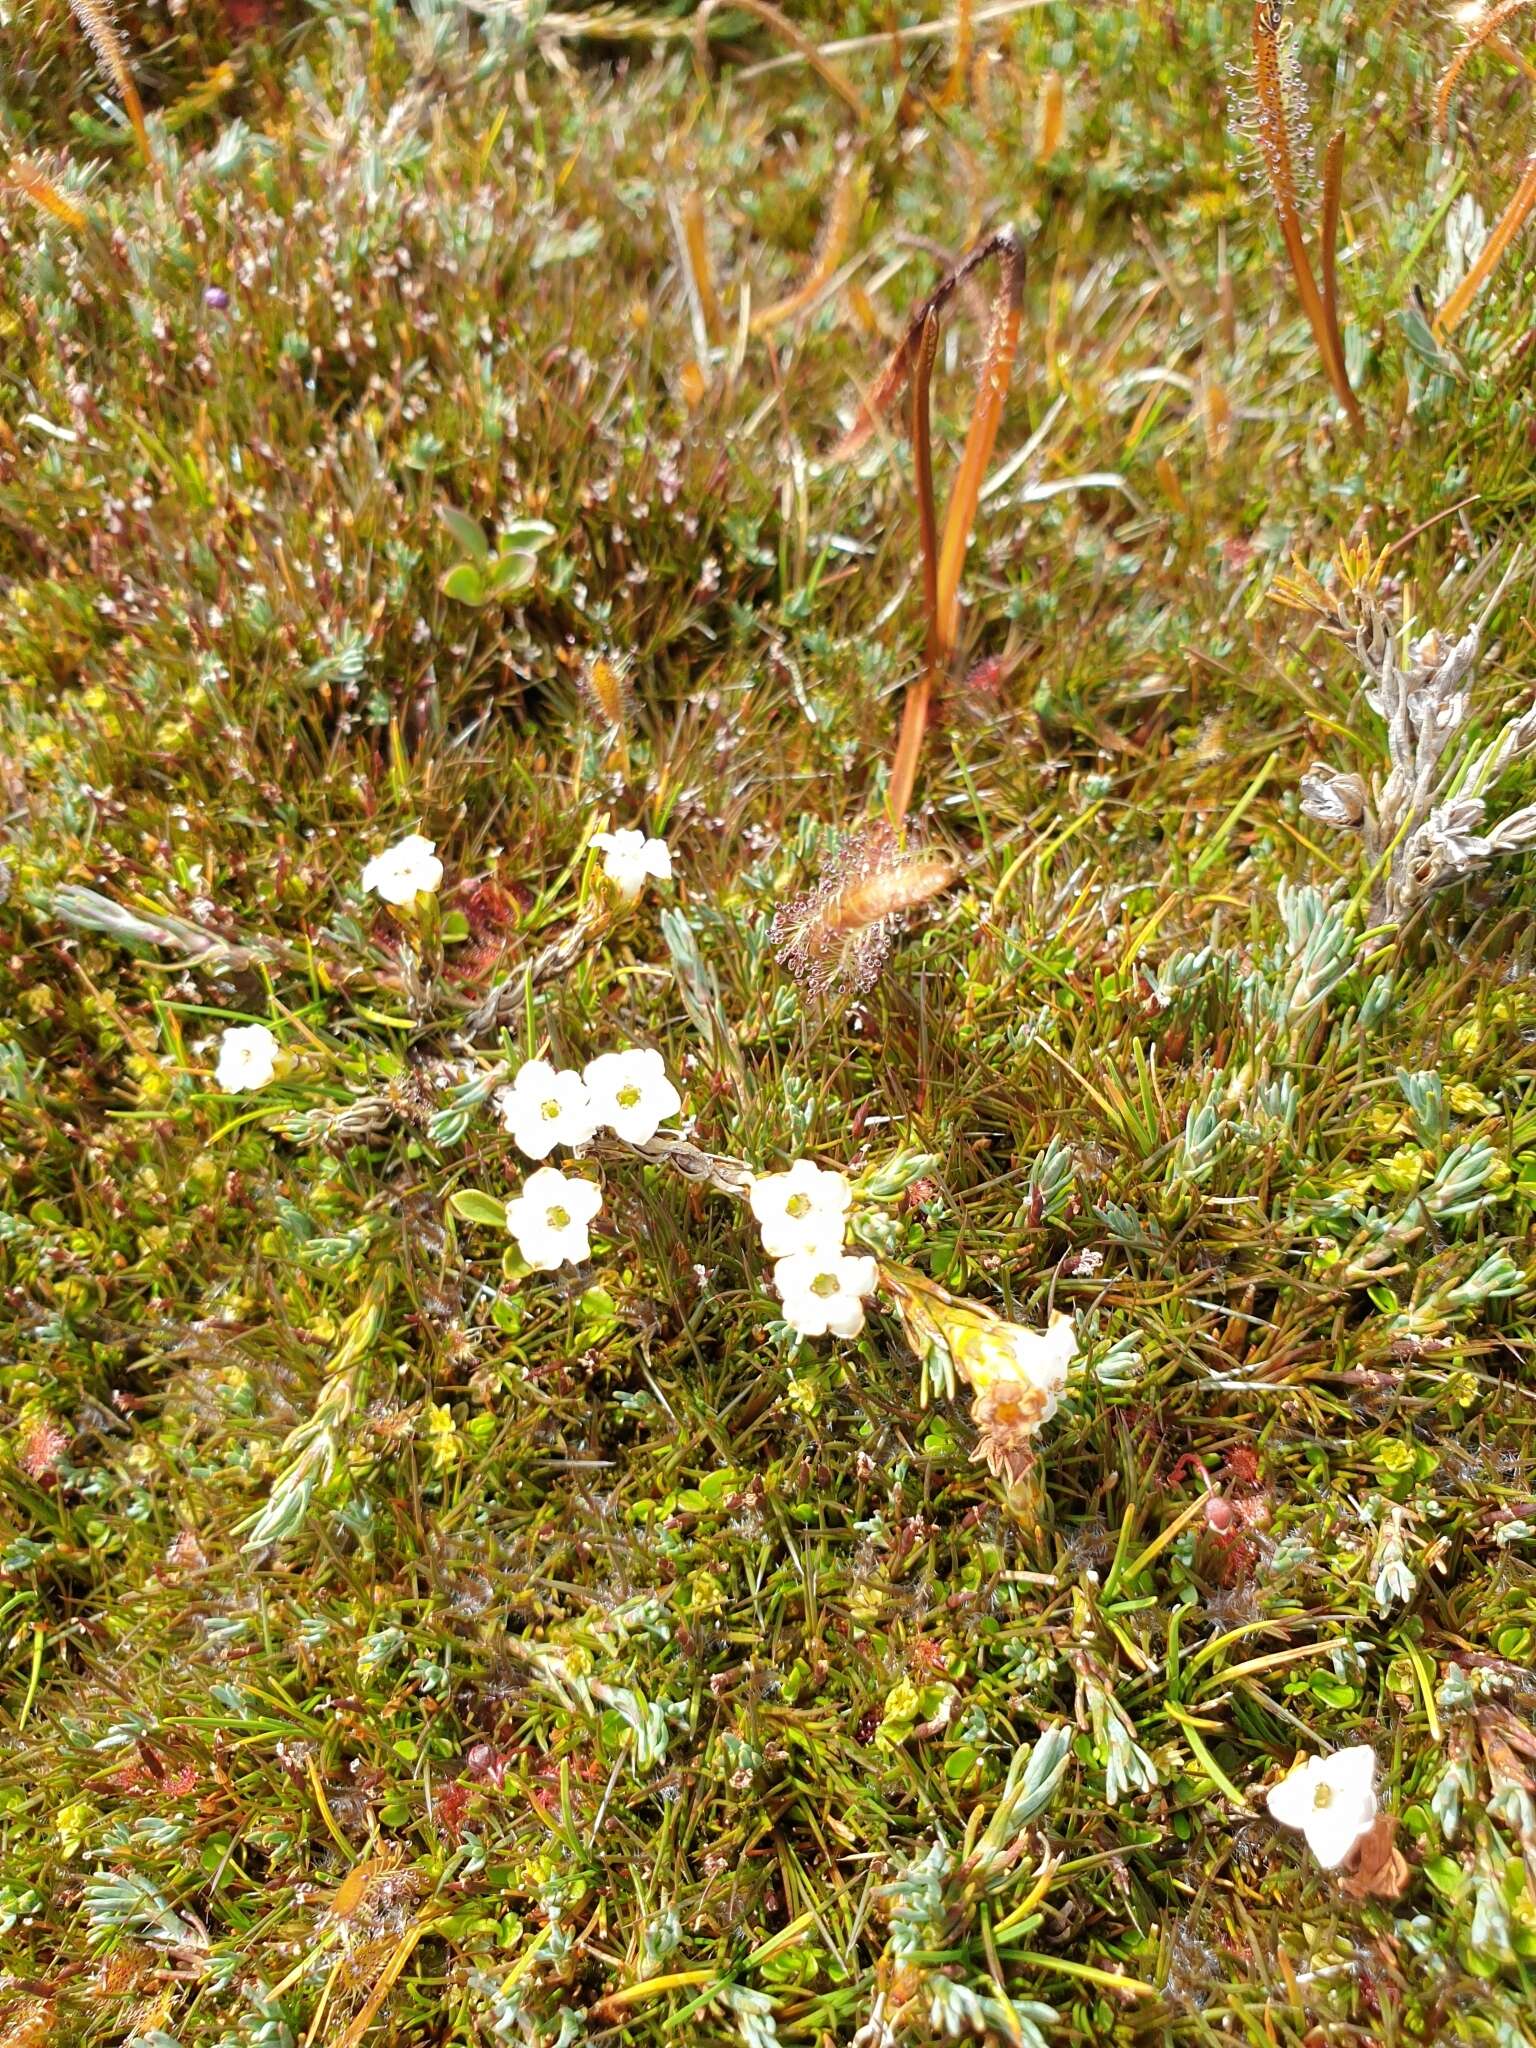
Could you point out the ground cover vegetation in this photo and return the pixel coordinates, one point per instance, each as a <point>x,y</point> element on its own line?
<point>767,1107</point>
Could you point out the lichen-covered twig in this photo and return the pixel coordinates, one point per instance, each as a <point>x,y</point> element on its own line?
<point>89,910</point>
<point>1425,822</point>
<point>558,957</point>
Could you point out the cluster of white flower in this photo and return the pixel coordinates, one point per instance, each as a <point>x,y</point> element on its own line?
<point>627,1093</point>
<point>803,1216</point>
<point>409,870</point>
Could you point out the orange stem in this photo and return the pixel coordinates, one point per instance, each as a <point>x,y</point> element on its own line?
<point>1488,257</point>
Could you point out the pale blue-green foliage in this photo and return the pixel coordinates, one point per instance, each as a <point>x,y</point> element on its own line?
<point>1050,1180</point>
<point>752,2012</point>
<point>1321,949</point>
<point>123,1902</point>
<point>1425,1095</point>
<point>1496,1279</point>
<point>1461,1183</point>
<point>1205,1136</point>
<point>1454,1786</point>
<point>1127,1766</point>
<point>1377,1000</point>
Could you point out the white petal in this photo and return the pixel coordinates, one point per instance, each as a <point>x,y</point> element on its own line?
<point>542,1250</point>
<point>806,1313</point>
<point>1332,1831</point>
<point>860,1275</point>
<point>531,1132</point>
<point>1292,1800</point>
<point>574,1243</point>
<point>1352,1774</point>
<point>845,1315</point>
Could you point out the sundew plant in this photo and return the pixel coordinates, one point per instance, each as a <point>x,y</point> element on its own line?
<point>767,1115</point>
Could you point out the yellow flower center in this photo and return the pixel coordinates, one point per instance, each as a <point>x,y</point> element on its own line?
<point>627,1096</point>
<point>558,1218</point>
<point>550,1110</point>
<point>825,1284</point>
<point>798,1205</point>
<point>1323,1796</point>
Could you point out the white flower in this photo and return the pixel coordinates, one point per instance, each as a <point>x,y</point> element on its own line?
<point>630,1093</point>
<point>802,1210</point>
<point>1332,1799</point>
<point>824,1291</point>
<point>549,1218</point>
<point>546,1107</point>
<point>405,871</point>
<point>247,1058</point>
<point>629,858</point>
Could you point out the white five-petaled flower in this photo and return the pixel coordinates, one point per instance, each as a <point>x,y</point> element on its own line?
<point>247,1058</point>
<point>630,860</point>
<point>549,1218</point>
<point>546,1107</point>
<point>404,871</point>
<point>823,1291</point>
<point>1331,1799</point>
<point>630,1093</point>
<point>802,1210</point>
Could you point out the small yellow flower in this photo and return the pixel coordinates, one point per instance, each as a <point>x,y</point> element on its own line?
<point>72,1822</point>
<point>1402,1172</point>
<point>705,1593</point>
<point>443,1446</point>
<point>1466,1100</point>
<point>803,1395</point>
<point>1462,1389</point>
<point>1468,1037</point>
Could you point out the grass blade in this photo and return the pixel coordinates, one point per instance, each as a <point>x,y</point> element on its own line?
<point>991,391</point>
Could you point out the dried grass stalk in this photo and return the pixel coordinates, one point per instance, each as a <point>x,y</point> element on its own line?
<point>841,215</point>
<point>1509,224</point>
<point>95,17</point>
<point>695,238</point>
<point>1485,34</point>
<point>1052,118</point>
<point>37,186</point>
<point>1274,94</point>
<point>913,358</point>
<point>835,80</point>
<point>960,63</point>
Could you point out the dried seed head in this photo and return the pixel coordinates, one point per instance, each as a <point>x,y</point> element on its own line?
<point>1008,1415</point>
<point>841,931</point>
<point>606,684</point>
